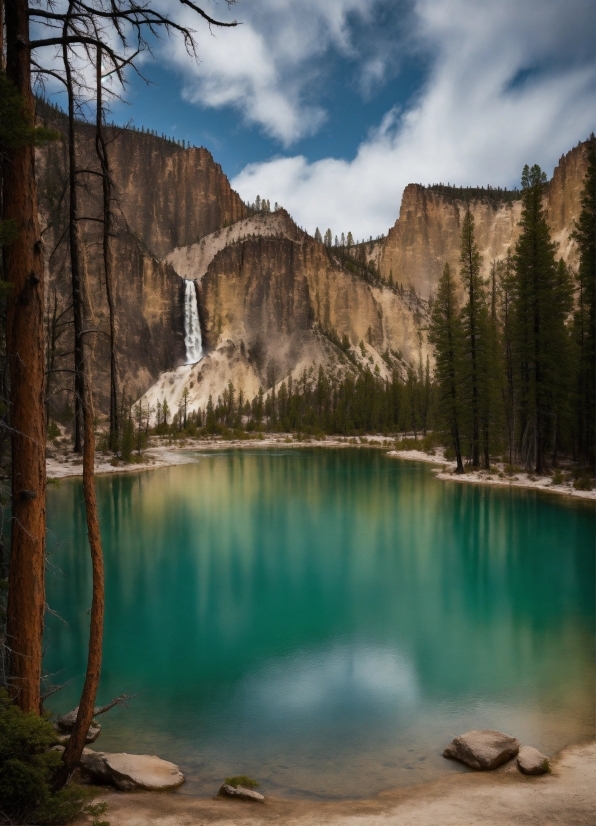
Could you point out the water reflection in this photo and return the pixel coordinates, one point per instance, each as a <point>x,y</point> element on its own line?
<point>318,617</point>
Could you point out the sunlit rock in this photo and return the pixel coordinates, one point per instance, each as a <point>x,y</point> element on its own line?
<point>532,761</point>
<point>483,750</point>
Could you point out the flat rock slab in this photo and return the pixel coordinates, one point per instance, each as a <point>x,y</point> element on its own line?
<point>532,761</point>
<point>241,793</point>
<point>131,771</point>
<point>483,750</point>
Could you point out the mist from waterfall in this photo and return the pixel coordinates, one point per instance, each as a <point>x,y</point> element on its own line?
<point>192,325</point>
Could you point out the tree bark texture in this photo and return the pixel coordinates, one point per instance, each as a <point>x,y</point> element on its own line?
<point>74,747</point>
<point>74,242</point>
<point>102,153</point>
<point>23,266</point>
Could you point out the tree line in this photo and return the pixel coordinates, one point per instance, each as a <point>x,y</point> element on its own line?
<point>315,403</point>
<point>515,361</point>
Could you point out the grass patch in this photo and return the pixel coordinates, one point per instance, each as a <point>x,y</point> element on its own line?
<point>242,780</point>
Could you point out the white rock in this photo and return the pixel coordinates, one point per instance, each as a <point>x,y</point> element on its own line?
<point>241,793</point>
<point>532,761</point>
<point>483,750</point>
<point>131,771</point>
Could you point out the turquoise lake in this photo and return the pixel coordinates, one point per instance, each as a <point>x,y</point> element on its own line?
<point>324,620</point>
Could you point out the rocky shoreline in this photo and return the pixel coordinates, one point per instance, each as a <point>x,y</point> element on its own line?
<point>165,453</point>
<point>503,797</point>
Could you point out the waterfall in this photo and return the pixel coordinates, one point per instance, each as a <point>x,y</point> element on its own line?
<point>192,325</point>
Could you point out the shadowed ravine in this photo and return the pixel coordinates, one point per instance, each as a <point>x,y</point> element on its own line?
<point>325,621</point>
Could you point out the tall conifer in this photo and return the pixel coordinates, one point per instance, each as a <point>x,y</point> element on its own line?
<point>539,320</point>
<point>474,324</point>
<point>445,334</point>
<point>584,326</point>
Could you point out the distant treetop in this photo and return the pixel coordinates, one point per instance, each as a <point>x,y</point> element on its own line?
<point>474,193</point>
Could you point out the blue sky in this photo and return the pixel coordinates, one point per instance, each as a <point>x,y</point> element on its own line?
<point>331,107</point>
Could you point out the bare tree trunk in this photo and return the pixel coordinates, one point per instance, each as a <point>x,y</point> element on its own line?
<point>76,743</point>
<point>75,266</point>
<point>23,267</point>
<point>102,152</point>
<point>74,747</point>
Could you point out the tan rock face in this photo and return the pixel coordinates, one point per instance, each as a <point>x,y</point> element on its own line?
<point>275,297</point>
<point>171,197</point>
<point>164,197</point>
<point>427,232</point>
<point>270,297</point>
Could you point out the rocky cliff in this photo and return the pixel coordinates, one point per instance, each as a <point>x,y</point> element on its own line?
<point>164,197</point>
<point>274,303</point>
<point>427,232</point>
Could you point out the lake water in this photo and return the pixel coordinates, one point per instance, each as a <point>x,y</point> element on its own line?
<point>325,620</point>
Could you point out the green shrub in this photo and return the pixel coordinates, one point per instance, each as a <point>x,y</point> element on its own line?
<point>26,768</point>
<point>242,780</point>
<point>583,483</point>
<point>449,453</point>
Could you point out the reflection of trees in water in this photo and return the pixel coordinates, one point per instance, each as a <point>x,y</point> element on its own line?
<point>218,568</point>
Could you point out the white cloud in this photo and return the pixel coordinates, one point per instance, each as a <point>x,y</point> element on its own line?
<point>471,124</point>
<point>266,67</point>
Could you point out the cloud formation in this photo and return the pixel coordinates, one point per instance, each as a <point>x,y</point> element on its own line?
<point>511,83</point>
<point>269,67</point>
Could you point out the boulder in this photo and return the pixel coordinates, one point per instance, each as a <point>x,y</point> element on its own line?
<point>131,771</point>
<point>532,761</point>
<point>482,750</point>
<point>63,735</point>
<point>241,793</point>
<point>64,726</point>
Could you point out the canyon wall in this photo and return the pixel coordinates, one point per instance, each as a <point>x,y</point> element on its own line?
<point>274,303</point>
<point>272,300</point>
<point>163,197</point>
<point>427,232</point>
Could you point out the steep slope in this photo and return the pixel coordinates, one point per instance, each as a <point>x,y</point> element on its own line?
<point>164,196</point>
<point>271,300</point>
<point>274,302</point>
<point>427,232</point>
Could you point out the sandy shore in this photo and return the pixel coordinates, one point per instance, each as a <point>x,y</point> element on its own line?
<point>162,453</point>
<point>505,797</point>
<point>495,477</point>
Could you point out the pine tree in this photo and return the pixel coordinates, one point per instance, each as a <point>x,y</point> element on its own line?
<point>506,277</point>
<point>539,320</point>
<point>328,238</point>
<point>584,322</point>
<point>446,335</point>
<point>318,236</point>
<point>474,321</point>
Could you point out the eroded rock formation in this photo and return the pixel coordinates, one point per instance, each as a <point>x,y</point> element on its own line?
<point>427,232</point>
<point>272,301</point>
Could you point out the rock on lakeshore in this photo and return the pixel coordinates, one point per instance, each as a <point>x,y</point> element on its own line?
<point>483,750</point>
<point>241,793</point>
<point>63,735</point>
<point>131,771</point>
<point>532,761</point>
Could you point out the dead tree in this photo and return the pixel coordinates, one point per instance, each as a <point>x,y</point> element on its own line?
<point>86,25</point>
<point>106,184</point>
